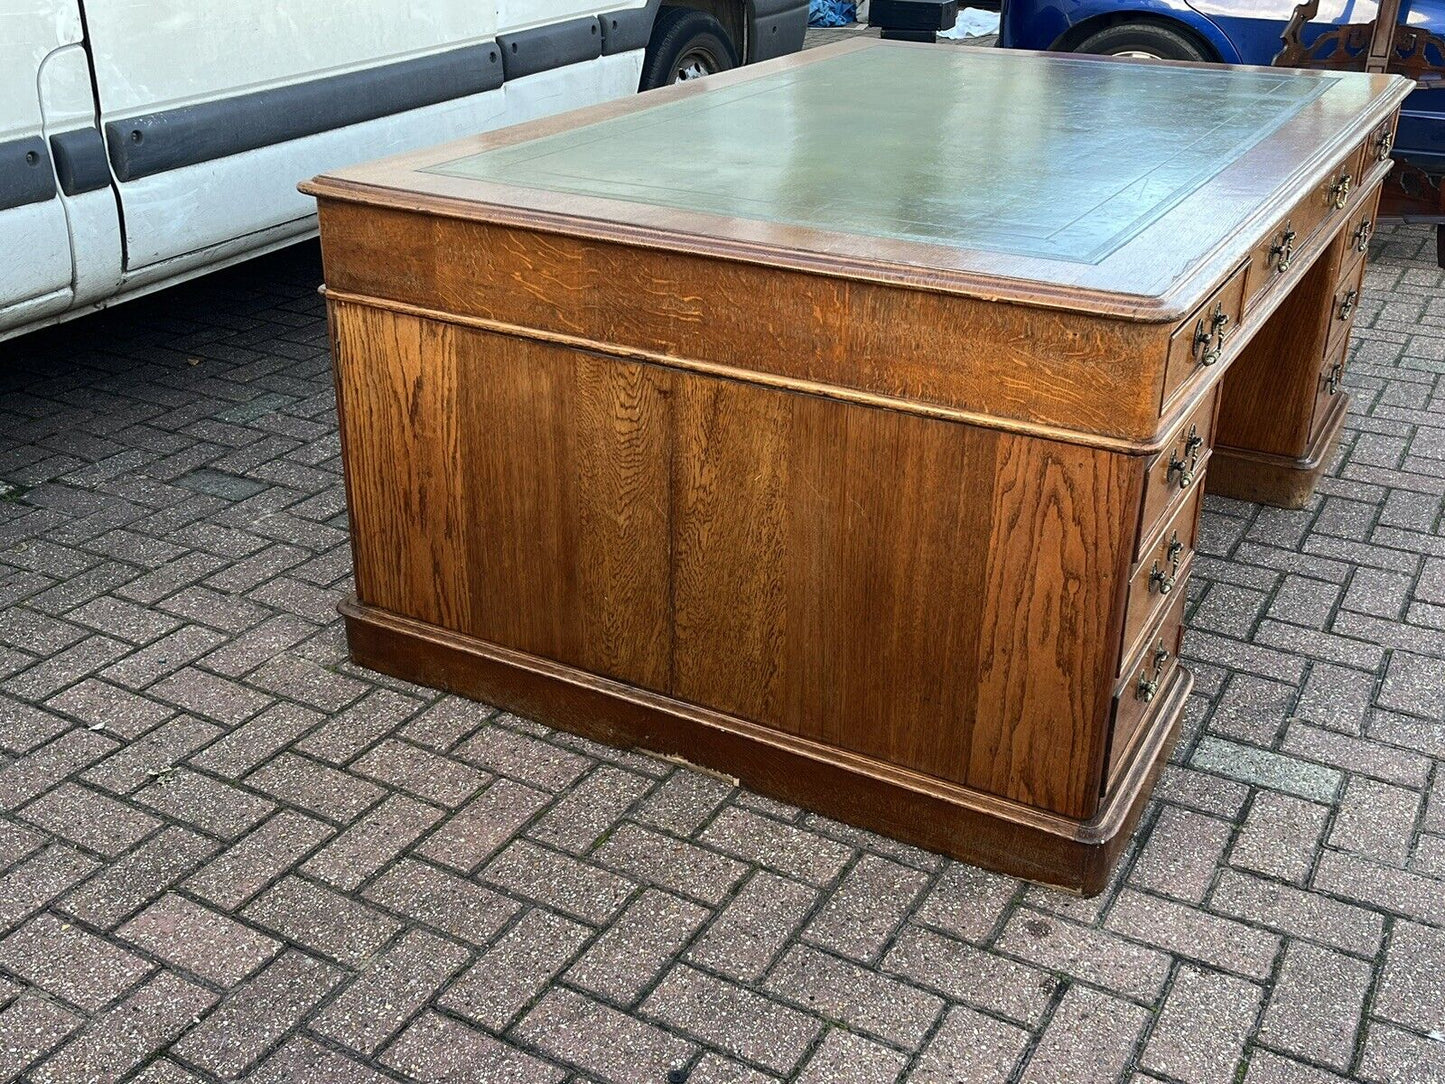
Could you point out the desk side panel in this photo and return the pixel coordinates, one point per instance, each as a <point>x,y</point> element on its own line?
<point>509,490</point>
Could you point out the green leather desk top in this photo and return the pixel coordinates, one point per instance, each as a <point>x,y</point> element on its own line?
<point>1115,186</point>
<point>957,147</point>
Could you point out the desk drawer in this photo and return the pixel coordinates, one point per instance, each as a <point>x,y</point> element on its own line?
<point>1381,140</point>
<point>1142,688</point>
<point>1331,380</point>
<point>1274,257</point>
<point>1176,470</point>
<point>1162,572</point>
<point>1345,304</point>
<point>1199,341</point>
<point>1362,225</point>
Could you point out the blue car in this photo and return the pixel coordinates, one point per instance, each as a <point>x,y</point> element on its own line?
<point>1231,31</point>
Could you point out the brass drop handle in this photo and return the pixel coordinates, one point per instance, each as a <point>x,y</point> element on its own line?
<point>1160,581</point>
<point>1148,686</point>
<point>1340,191</point>
<point>1336,377</point>
<point>1176,548</point>
<point>1362,237</point>
<point>1383,143</point>
<point>1184,470</point>
<point>1282,251</point>
<point>1204,336</point>
<point>1193,442</point>
<point>1347,306</point>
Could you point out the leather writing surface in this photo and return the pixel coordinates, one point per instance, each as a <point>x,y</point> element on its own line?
<point>1065,159</point>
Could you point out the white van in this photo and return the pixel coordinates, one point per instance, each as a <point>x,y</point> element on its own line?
<point>146,141</point>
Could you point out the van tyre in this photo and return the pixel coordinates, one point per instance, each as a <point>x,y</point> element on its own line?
<point>1143,40</point>
<point>685,44</point>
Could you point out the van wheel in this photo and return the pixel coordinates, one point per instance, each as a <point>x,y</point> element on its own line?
<point>685,44</point>
<point>1143,40</point>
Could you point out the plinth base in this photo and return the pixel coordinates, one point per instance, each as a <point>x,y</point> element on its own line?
<point>970,825</point>
<point>1275,479</point>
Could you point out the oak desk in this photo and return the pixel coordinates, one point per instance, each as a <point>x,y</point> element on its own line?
<point>839,423</point>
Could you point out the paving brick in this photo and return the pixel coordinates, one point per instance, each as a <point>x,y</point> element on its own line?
<point>1192,934</point>
<point>1393,1056</point>
<point>141,761</point>
<point>1200,1034</point>
<point>1082,952</point>
<point>17,841</point>
<point>629,955</point>
<point>442,900</point>
<point>1376,821</point>
<point>559,881</point>
<point>1298,913</point>
<point>1090,1037</point>
<point>117,1041</point>
<point>321,920</point>
<point>1357,755</point>
<point>206,804</point>
<point>590,809</point>
<point>195,939</point>
<point>1336,697</point>
<point>244,652</point>
<point>254,1017</point>
<point>732,1018</point>
<point>114,710</point>
<point>314,787</point>
<point>1281,837</point>
<point>23,727</point>
<point>510,974</point>
<point>244,869</point>
<point>1314,1009</point>
<point>123,886</point>
<point>752,929</point>
<point>436,778</point>
<point>164,656</point>
<point>684,802</point>
<point>302,680</point>
<point>71,963</point>
<point>782,847</point>
<point>42,768</point>
<point>1411,989</point>
<point>89,818</point>
<point>302,1061</point>
<point>861,999</point>
<point>435,1048</point>
<point>31,1026</point>
<point>963,973</point>
<point>1262,768</point>
<point>1380,887</point>
<point>606,1044</point>
<point>970,1048</point>
<point>1252,709</point>
<point>866,908</point>
<point>670,863</point>
<point>474,833</point>
<point>55,672</point>
<point>257,740</point>
<point>395,985</point>
<point>1414,684</point>
<point>1180,857</point>
<point>845,1056</point>
<point>446,722</point>
<point>372,842</point>
<point>525,759</point>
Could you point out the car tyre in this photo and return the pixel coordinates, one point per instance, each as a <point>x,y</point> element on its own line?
<point>685,44</point>
<point>1143,40</point>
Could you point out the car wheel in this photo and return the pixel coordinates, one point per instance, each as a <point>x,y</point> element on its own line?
<point>1143,40</point>
<point>685,44</point>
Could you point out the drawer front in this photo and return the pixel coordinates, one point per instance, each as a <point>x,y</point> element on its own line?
<point>1361,227</point>
<point>1198,342</point>
<point>1275,256</point>
<point>1378,146</point>
<point>1142,687</point>
<point>1345,304</point>
<point>1161,573</point>
<point>1173,473</point>
<point>1330,387</point>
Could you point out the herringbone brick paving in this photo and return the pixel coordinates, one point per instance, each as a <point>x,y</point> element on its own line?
<point>227,853</point>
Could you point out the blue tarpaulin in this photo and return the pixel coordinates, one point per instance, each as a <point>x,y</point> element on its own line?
<point>832,12</point>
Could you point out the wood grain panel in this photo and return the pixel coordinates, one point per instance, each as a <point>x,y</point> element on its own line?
<point>1000,360</point>
<point>402,430</point>
<point>509,490</point>
<point>1058,555</point>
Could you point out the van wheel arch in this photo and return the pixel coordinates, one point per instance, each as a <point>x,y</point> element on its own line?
<point>1071,39</point>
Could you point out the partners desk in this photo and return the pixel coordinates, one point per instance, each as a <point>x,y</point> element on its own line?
<point>839,424</point>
